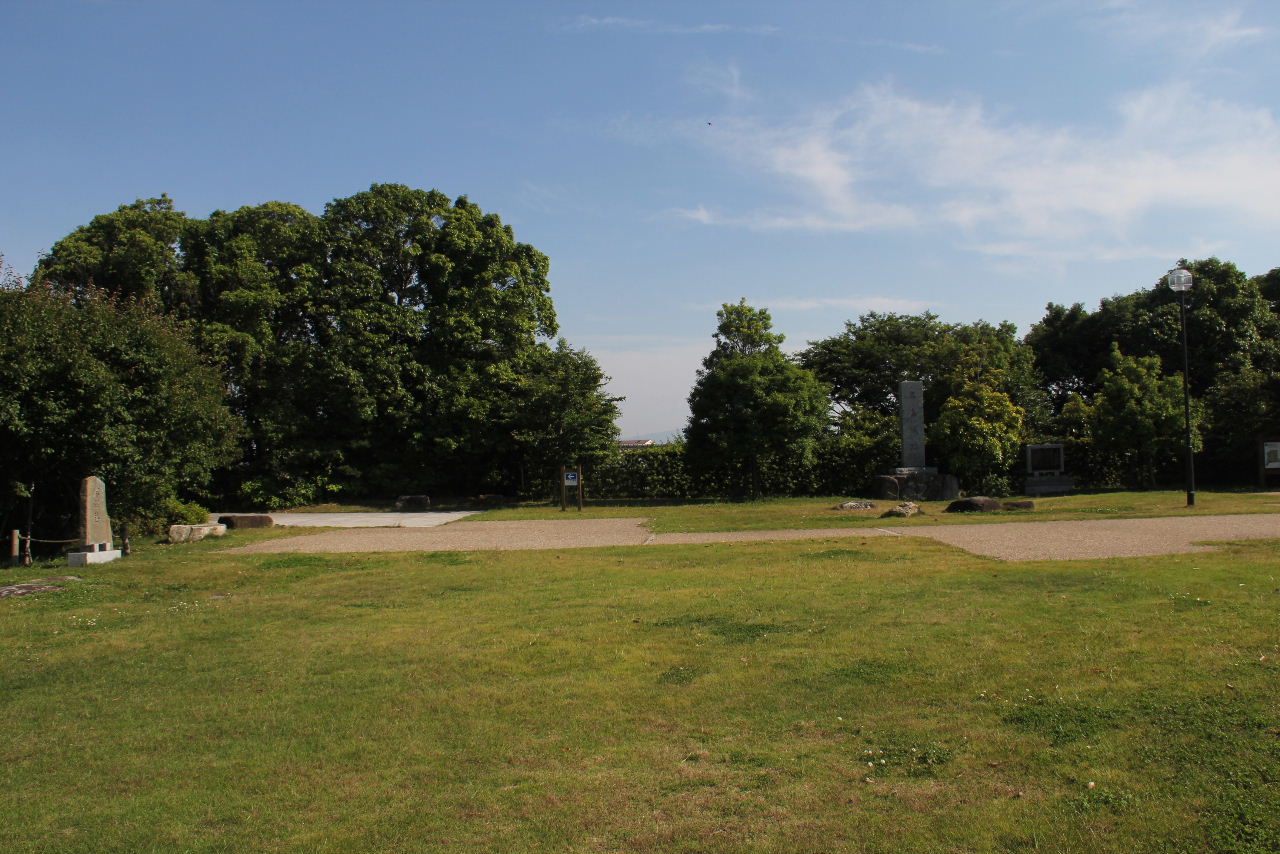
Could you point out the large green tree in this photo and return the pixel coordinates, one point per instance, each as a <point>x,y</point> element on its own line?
<point>1137,417</point>
<point>979,435</point>
<point>98,386</point>
<point>560,412</point>
<point>475,302</point>
<point>755,417</point>
<point>371,349</point>
<point>1230,325</point>
<point>1233,337</point>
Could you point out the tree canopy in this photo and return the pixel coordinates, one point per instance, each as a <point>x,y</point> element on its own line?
<point>96,386</point>
<point>386,345</point>
<point>1233,339</point>
<point>755,417</point>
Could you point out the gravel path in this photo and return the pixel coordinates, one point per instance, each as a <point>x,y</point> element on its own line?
<point>1101,538</point>
<point>1020,541</point>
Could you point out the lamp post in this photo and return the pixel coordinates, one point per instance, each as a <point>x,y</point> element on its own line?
<point>1179,280</point>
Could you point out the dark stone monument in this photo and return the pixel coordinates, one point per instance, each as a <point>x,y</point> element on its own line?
<point>911,406</point>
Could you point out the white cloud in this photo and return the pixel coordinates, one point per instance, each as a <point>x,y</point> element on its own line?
<point>886,160</point>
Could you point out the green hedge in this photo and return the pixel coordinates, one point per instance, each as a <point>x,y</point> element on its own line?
<point>843,465</point>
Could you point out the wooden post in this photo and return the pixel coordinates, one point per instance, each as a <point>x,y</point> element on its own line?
<point>565,477</point>
<point>31,509</point>
<point>15,542</point>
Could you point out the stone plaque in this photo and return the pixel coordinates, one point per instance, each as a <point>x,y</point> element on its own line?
<point>911,401</point>
<point>95,525</point>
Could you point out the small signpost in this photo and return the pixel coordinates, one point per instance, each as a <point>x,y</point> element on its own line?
<point>570,478</point>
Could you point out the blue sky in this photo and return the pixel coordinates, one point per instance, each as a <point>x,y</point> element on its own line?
<point>820,159</point>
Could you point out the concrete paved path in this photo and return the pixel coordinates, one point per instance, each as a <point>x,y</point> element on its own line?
<point>1020,541</point>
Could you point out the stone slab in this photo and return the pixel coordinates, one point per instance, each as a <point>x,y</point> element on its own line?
<point>247,520</point>
<point>86,558</point>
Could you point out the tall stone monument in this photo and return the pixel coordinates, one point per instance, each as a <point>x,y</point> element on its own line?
<point>913,480</point>
<point>911,405</point>
<point>95,526</point>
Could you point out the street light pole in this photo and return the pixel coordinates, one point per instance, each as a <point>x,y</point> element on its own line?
<point>1180,280</point>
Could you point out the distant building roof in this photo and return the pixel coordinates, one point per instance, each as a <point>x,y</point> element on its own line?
<point>634,443</point>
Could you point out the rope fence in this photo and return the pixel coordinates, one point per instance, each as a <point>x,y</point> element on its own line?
<point>20,545</point>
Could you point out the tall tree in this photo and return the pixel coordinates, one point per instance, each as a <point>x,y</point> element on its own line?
<point>370,349</point>
<point>475,301</point>
<point>561,413</point>
<point>1230,324</point>
<point>93,386</point>
<point>1137,416</point>
<point>755,417</point>
<point>1233,338</point>
<point>979,434</point>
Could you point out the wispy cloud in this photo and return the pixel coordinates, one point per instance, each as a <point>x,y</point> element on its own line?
<point>1186,30</point>
<point>909,47</point>
<point>883,159</point>
<point>644,25</point>
<point>723,80</point>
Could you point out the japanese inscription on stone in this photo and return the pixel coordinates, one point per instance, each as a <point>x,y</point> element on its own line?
<point>95,526</point>
<point>911,401</point>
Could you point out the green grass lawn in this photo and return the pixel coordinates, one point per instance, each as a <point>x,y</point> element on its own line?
<point>825,695</point>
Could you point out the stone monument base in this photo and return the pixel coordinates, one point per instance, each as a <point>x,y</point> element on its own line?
<point>918,484</point>
<point>94,553</point>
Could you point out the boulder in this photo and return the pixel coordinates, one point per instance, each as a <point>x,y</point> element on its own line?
<point>903,510</point>
<point>247,520</point>
<point>1018,505</point>
<point>975,504</point>
<point>856,505</point>
<point>195,533</point>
